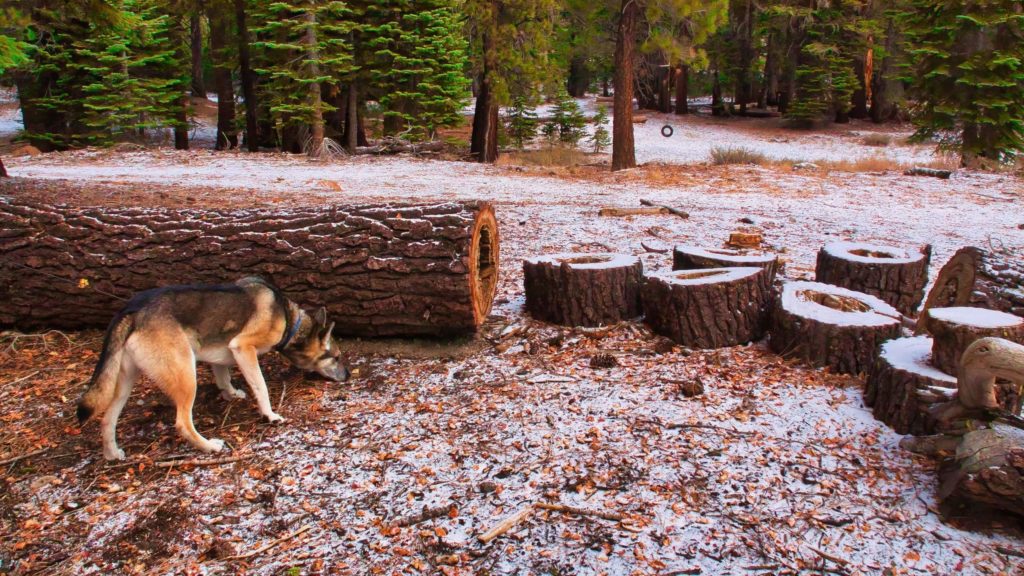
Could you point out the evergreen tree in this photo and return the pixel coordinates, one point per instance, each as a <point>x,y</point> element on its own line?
<point>569,122</point>
<point>601,138</point>
<point>521,122</point>
<point>967,75</point>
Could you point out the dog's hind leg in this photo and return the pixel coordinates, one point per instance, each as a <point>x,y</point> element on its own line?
<point>248,363</point>
<point>108,427</point>
<point>222,374</point>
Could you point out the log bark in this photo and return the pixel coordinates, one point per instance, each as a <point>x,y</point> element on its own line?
<point>682,89</point>
<point>623,148</point>
<point>583,289</point>
<point>988,469</point>
<point>826,325</point>
<point>981,278</point>
<point>894,275</point>
<point>954,329</point>
<point>899,372</point>
<point>696,258</point>
<point>711,308</point>
<point>381,270</point>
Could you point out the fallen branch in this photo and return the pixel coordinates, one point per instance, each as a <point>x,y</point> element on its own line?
<point>655,250</point>
<point>506,524</point>
<point>270,544</point>
<point>14,459</point>
<point>397,147</point>
<point>933,172</point>
<point>647,211</point>
<point>841,561</point>
<point>201,462</point>
<point>614,516</point>
<point>425,515</point>
<point>671,210</point>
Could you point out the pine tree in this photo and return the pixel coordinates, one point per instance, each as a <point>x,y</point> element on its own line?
<point>568,119</point>
<point>967,74</point>
<point>521,122</point>
<point>601,138</point>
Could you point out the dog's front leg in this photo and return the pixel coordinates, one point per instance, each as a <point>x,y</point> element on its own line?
<point>222,374</point>
<point>249,365</point>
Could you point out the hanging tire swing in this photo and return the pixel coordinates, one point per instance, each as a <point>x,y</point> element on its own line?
<point>667,131</point>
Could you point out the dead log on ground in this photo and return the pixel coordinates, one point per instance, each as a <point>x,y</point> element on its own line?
<point>577,289</point>
<point>988,468</point>
<point>681,213</point>
<point>981,278</point>
<point>381,270</point>
<point>614,211</point>
<point>401,146</point>
<point>925,171</point>
<point>895,275</point>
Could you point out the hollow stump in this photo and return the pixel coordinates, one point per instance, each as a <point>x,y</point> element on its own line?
<point>894,275</point>
<point>577,289</point>
<point>696,258</point>
<point>977,277</point>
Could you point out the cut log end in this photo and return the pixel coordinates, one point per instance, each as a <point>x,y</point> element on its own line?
<point>899,372</point>
<point>577,289</point>
<point>988,469</point>
<point>895,275</point>
<point>484,249</point>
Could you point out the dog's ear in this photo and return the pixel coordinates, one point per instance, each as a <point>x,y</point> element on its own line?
<point>326,337</point>
<point>321,316</point>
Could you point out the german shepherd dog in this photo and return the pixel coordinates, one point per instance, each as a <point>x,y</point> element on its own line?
<point>163,332</point>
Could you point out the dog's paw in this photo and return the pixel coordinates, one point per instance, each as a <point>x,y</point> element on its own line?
<point>274,418</point>
<point>214,445</point>
<point>113,454</point>
<point>233,394</point>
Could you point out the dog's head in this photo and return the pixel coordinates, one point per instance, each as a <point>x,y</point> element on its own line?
<point>317,351</point>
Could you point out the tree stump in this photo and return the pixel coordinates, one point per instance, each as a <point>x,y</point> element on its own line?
<point>988,469</point>
<point>696,258</point>
<point>380,270</point>
<point>899,371</point>
<point>954,329</point>
<point>583,289</point>
<point>830,326</point>
<point>710,308</point>
<point>894,275</point>
<point>981,278</point>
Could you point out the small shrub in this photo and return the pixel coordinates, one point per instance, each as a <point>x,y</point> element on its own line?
<point>736,155</point>
<point>601,138</point>
<point>877,140</point>
<point>521,122</point>
<point>569,120</point>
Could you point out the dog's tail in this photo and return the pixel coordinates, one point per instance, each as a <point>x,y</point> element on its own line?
<point>100,392</point>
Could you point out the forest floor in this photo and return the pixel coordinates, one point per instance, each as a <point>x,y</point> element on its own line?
<point>775,469</point>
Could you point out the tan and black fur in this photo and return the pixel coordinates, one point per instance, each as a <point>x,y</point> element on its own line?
<point>162,333</point>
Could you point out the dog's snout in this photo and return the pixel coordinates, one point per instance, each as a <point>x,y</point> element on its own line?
<point>343,374</point>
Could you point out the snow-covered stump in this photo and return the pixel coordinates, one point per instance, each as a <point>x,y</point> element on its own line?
<point>826,325</point>
<point>982,278</point>
<point>988,469</point>
<point>899,372</point>
<point>894,275</point>
<point>696,258</point>
<point>583,289</point>
<point>708,308</point>
<point>954,329</point>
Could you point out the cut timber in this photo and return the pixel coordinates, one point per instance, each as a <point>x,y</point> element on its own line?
<point>890,273</point>
<point>981,278</point>
<point>696,258</point>
<point>954,329</point>
<point>710,308</point>
<point>743,239</point>
<point>830,326</point>
<point>381,270</point>
<point>988,469</point>
<point>583,289</point>
<point>900,370</point>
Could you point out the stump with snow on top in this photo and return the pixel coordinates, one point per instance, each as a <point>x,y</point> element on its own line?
<point>896,276</point>
<point>899,373</point>
<point>577,289</point>
<point>686,257</point>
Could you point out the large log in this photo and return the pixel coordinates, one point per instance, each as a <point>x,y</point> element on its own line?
<point>981,278</point>
<point>988,469</point>
<point>954,329</point>
<point>894,275</point>
<point>899,372</point>
<point>711,308</point>
<point>576,289</point>
<point>830,326</point>
<point>381,270</point>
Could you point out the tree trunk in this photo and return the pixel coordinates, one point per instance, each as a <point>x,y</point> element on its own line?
<point>988,469</point>
<point>954,329</point>
<point>665,91</point>
<point>860,95</point>
<point>895,275</point>
<point>898,373</point>
<point>886,90</point>
<point>717,105</point>
<point>682,89</point>
<point>826,325</point>
<point>352,118</point>
<point>743,29</point>
<point>386,270</point>
<point>583,289</point>
<point>227,137</point>
<point>181,124</point>
<point>711,308</point>
<point>198,85</point>
<point>3,169</point>
<point>579,77</point>
<point>605,87</point>
<point>39,120</point>
<point>252,129</point>
<point>316,121</point>
<point>771,73</point>
<point>484,140</point>
<point>981,278</point>
<point>623,150</point>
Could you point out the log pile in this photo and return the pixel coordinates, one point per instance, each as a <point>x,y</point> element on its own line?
<point>894,275</point>
<point>980,278</point>
<point>583,289</point>
<point>900,372</point>
<point>826,325</point>
<point>380,270</point>
<point>710,308</point>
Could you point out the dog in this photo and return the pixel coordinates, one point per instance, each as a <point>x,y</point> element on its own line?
<point>163,332</point>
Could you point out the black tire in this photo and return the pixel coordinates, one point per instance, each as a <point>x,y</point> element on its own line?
<point>667,131</point>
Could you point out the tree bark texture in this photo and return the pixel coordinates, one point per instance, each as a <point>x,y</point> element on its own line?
<point>623,147</point>
<point>981,278</point>
<point>899,371</point>
<point>682,89</point>
<point>895,275</point>
<point>953,330</point>
<point>711,308</point>
<point>227,138</point>
<point>988,469</point>
<point>196,45</point>
<point>316,128</point>
<point>859,108</point>
<point>252,130</point>
<point>583,289</point>
<point>579,77</point>
<point>696,258</point>
<point>381,270</point>
<point>826,325</point>
<point>3,169</point>
<point>484,138</point>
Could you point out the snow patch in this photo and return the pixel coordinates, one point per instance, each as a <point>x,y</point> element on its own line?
<point>978,317</point>
<point>796,301</point>
<point>914,355</point>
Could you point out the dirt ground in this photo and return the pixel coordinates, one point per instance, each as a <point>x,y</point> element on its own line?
<point>774,469</point>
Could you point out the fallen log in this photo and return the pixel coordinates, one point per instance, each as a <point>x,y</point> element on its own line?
<point>620,212</point>
<point>681,213</point>
<point>899,373</point>
<point>826,325</point>
<point>400,147</point>
<point>895,275</point>
<point>380,270</point>
<point>578,289</point>
<point>988,469</point>
<point>925,171</point>
<point>981,278</point>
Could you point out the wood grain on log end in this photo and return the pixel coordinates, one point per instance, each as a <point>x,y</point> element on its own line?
<point>576,289</point>
<point>694,258</point>
<point>977,277</point>
<point>830,326</point>
<point>895,275</point>
<point>708,308</point>
<point>900,370</point>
